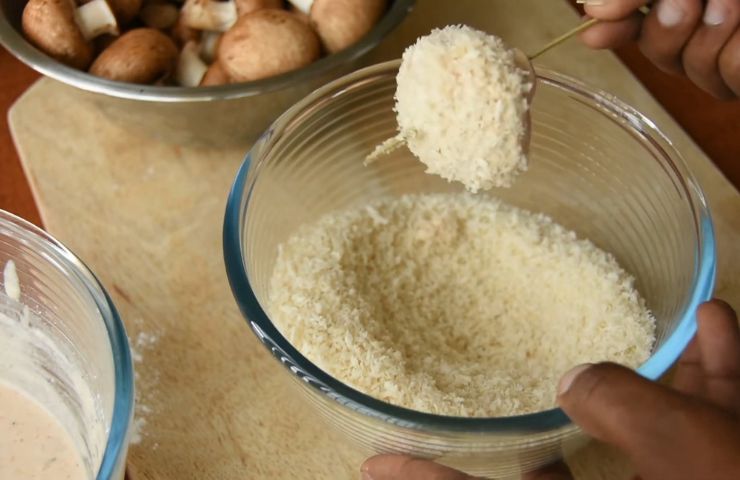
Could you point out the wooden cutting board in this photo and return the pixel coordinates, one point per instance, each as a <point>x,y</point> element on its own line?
<point>146,217</point>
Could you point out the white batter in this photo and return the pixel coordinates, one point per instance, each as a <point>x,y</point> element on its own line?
<point>33,444</point>
<point>51,425</point>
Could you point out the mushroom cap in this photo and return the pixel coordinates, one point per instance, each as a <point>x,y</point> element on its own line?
<point>159,14</point>
<point>102,42</point>
<point>267,43</point>
<point>50,26</point>
<point>244,7</point>
<point>125,10</point>
<point>141,55</point>
<point>303,17</point>
<point>341,23</point>
<point>181,33</point>
<point>215,75</point>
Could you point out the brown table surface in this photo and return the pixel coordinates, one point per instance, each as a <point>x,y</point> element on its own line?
<point>712,124</point>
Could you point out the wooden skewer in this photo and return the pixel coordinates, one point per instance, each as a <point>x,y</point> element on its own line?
<point>396,142</point>
<point>575,31</point>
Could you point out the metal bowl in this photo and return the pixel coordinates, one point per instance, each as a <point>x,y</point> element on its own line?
<point>223,115</point>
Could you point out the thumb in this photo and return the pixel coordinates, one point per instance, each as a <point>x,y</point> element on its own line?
<point>402,467</point>
<point>659,429</point>
<point>612,403</point>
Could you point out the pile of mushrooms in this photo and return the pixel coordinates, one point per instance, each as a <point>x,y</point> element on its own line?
<point>195,42</point>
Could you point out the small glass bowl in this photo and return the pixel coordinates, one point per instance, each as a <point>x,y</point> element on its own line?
<point>76,355</point>
<point>597,166</point>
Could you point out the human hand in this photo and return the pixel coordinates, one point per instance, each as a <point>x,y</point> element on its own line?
<point>696,38</point>
<point>690,431</point>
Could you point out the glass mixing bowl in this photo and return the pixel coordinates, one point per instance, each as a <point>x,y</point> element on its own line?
<point>597,167</point>
<point>70,351</point>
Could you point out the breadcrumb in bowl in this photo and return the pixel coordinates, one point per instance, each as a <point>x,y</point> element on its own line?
<point>597,167</point>
<point>454,304</point>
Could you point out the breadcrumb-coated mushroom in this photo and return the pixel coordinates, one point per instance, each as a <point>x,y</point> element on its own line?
<point>461,105</point>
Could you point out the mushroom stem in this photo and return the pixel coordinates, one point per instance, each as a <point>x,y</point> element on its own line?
<point>208,45</point>
<point>302,5</point>
<point>209,14</point>
<point>190,68</point>
<point>96,18</point>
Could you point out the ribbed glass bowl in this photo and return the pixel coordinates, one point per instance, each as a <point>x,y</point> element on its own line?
<point>89,384</point>
<point>597,166</point>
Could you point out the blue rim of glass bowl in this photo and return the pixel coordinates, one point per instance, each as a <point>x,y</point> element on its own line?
<point>539,422</point>
<point>117,441</point>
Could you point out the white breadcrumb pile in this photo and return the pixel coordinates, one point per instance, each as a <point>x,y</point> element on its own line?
<point>461,106</point>
<point>454,304</point>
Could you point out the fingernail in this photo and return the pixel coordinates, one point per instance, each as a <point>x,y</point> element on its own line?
<point>669,14</point>
<point>591,2</point>
<point>366,476</point>
<point>567,380</point>
<point>714,14</point>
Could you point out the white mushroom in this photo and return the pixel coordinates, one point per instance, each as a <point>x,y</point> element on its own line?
<point>141,55</point>
<point>64,32</point>
<point>265,43</point>
<point>209,14</point>
<point>341,23</point>
<point>160,15</point>
<point>96,18</point>
<point>190,68</point>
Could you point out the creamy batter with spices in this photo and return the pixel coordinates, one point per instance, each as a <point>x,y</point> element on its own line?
<point>50,423</point>
<point>33,444</point>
